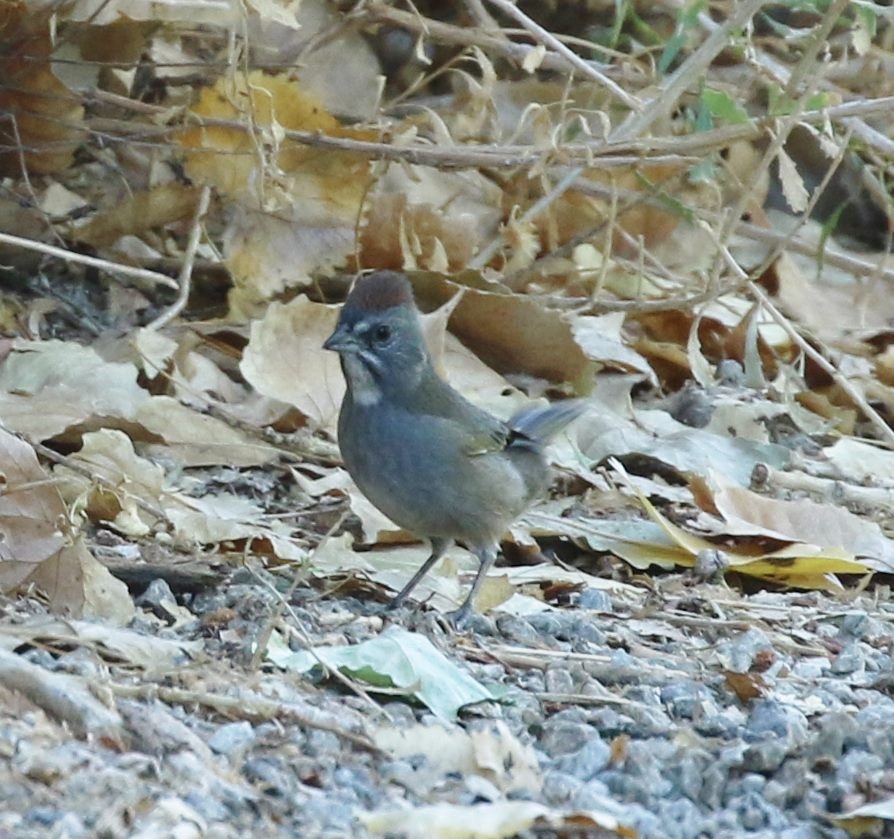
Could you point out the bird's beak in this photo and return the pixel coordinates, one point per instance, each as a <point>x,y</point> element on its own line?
<point>342,341</point>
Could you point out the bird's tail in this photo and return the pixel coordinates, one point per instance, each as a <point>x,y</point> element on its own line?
<point>540,424</point>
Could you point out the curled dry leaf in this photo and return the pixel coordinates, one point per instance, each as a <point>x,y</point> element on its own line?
<point>420,218</point>
<point>40,548</point>
<point>494,753</point>
<point>494,820</point>
<point>688,451</point>
<point>825,525</point>
<point>127,479</point>
<point>42,117</point>
<point>50,388</point>
<point>295,207</point>
<point>285,359</point>
<point>509,332</point>
<point>137,212</point>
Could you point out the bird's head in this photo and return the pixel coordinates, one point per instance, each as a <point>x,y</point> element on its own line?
<point>379,338</point>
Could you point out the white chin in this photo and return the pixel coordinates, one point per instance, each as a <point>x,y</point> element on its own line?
<point>364,389</point>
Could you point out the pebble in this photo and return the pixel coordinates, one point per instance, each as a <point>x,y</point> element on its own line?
<point>232,739</point>
<point>595,599</point>
<point>661,742</point>
<point>588,761</point>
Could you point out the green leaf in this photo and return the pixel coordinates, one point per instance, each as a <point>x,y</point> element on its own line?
<point>396,659</point>
<point>704,172</point>
<point>829,226</point>
<point>686,21</point>
<point>723,107</point>
<point>780,105</point>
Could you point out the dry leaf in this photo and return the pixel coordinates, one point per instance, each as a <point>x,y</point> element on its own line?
<point>39,546</point>
<point>42,118</point>
<point>285,359</point>
<point>792,183</point>
<point>493,753</point>
<point>829,527</point>
<point>295,206</point>
<point>139,212</point>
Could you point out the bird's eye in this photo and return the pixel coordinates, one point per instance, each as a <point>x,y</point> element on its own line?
<point>381,333</point>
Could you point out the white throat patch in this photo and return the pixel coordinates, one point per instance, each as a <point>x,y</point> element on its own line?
<point>364,389</point>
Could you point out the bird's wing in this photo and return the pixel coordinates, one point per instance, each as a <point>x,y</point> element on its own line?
<point>482,433</point>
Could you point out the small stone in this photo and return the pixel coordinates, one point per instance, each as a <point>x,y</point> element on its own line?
<point>849,660</point>
<point>857,766</point>
<point>688,775</point>
<point>830,734</point>
<point>547,623</point>
<point>559,787</point>
<point>766,756</point>
<point>858,624</point>
<point>558,680</point>
<point>159,599</point>
<point>769,718</point>
<point>739,653</point>
<point>730,372</point>
<point>322,742</point>
<point>517,630</point>
<point>681,817</point>
<point>594,795</point>
<point>587,761</point>
<point>232,739</point>
<point>595,599</point>
<point>42,815</point>
<point>687,699</point>
<point>810,668</point>
<point>775,793</point>
<point>564,738</point>
<point>207,806</point>
<point>268,773</point>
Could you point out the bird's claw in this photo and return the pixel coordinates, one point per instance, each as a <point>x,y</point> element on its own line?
<point>458,619</point>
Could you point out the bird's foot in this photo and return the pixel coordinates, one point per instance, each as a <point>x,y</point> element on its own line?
<point>395,603</point>
<point>458,619</point>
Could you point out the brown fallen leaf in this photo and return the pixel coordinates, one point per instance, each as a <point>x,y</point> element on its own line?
<point>294,207</point>
<point>746,686</point>
<point>40,547</point>
<point>42,122</point>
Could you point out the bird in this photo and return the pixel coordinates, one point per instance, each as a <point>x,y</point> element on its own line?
<point>429,459</point>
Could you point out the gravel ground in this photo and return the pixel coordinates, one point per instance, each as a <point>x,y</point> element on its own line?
<point>682,711</point>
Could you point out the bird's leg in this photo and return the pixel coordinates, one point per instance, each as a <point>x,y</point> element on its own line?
<point>487,555</point>
<point>438,546</point>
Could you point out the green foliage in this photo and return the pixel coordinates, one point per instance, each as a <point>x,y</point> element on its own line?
<point>722,107</point>
<point>780,105</point>
<point>686,22</point>
<point>396,660</point>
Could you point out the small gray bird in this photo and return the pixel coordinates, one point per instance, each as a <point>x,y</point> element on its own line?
<point>426,457</point>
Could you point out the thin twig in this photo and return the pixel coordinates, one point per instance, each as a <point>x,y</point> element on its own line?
<point>614,152</point>
<point>688,72</point>
<point>586,69</point>
<point>85,472</point>
<point>444,157</point>
<point>185,278</point>
<point>283,604</point>
<point>92,261</point>
<point>750,230</point>
<point>869,412</point>
<point>243,706</point>
<point>469,36</point>
<point>884,430</point>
